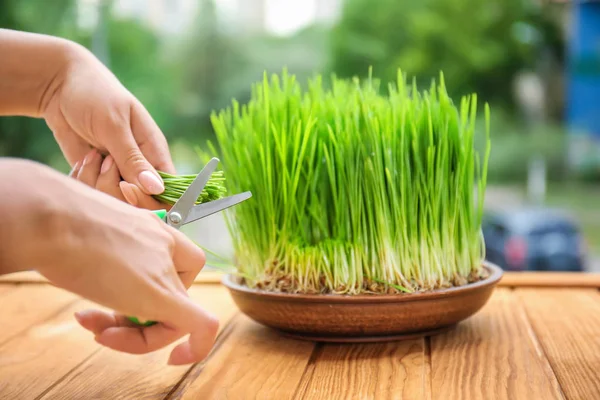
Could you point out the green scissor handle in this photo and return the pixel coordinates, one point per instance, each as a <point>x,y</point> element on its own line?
<point>160,214</point>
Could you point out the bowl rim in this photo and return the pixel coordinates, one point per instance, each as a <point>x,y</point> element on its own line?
<point>495,274</point>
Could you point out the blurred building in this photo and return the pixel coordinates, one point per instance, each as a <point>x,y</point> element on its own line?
<point>583,83</point>
<point>250,15</point>
<point>328,11</point>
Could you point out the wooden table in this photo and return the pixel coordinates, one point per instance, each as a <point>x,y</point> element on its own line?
<point>537,338</point>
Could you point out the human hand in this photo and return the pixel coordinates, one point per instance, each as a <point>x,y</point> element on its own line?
<point>90,107</point>
<point>103,175</point>
<point>116,255</point>
<point>84,105</point>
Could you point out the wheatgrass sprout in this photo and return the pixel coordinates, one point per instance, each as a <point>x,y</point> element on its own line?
<point>354,191</point>
<point>176,185</point>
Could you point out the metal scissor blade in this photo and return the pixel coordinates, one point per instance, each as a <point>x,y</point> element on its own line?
<point>206,209</point>
<point>184,205</point>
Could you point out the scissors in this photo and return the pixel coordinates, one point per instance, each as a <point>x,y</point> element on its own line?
<point>185,209</point>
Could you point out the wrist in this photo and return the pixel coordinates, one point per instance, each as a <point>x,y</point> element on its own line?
<point>33,218</point>
<point>33,68</point>
<point>65,55</point>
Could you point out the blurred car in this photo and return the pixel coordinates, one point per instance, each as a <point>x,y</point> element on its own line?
<point>533,239</point>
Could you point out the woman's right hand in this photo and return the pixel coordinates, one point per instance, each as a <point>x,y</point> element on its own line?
<point>107,251</point>
<point>104,175</point>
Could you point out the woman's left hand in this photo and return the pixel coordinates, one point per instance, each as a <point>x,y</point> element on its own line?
<point>103,175</point>
<point>90,108</point>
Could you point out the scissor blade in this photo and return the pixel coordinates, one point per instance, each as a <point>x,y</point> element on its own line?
<point>206,209</point>
<point>186,202</point>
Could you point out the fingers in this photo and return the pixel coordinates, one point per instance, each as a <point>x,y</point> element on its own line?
<point>71,144</point>
<point>118,333</point>
<point>138,340</point>
<point>203,328</point>
<point>98,321</point>
<point>90,168</point>
<point>188,258</point>
<point>150,139</point>
<point>75,170</point>
<point>134,196</point>
<point>109,178</point>
<point>178,316</point>
<point>105,176</point>
<point>99,174</point>
<point>134,167</point>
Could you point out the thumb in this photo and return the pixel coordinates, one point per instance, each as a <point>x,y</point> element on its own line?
<point>131,162</point>
<point>139,199</point>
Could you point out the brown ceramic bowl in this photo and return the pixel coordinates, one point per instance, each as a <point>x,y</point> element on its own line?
<point>363,318</point>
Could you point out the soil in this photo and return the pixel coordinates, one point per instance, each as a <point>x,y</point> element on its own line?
<point>288,284</point>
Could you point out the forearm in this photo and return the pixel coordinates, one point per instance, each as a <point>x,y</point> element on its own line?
<point>31,66</point>
<point>31,213</point>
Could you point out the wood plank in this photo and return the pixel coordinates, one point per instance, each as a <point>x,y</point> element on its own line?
<point>23,276</point>
<point>369,371</point>
<point>254,362</point>
<point>114,375</point>
<point>209,277</point>
<point>551,279</point>
<point>567,323</point>
<point>511,279</point>
<point>33,361</point>
<point>28,305</point>
<point>493,354</point>
<point>205,276</point>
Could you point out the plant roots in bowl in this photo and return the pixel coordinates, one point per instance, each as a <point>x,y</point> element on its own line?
<point>363,318</point>
<point>365,220</point>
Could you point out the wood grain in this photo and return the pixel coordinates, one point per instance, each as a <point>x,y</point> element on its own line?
<point>394,370</point>
<point>567,323</point>
<point>208,276</point>
<point>33,361</point>
<point>22,307</point>
<point>492,355</point>
<point>254,362</point>
<point>112,375</point>
<point>551,279</point>
<point>511,279</point>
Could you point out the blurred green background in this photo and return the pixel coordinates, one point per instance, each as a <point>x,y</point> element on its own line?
<point>186,58</point>
<point>183,59</point>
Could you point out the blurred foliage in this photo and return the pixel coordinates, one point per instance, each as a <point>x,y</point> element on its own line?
<point>27,137</point>
<point>479,45</point>
<point>221,67</point>
<point>137,58</point>
<point>514,144</point>
<point>211,65</point>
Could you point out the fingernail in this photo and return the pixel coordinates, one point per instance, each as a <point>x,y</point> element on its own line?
<point>75,166</point>
<point>78,316</point>
<point>151,182</point>
<point>89,156</point>
<point>128,193</point>
<point>106,164</point>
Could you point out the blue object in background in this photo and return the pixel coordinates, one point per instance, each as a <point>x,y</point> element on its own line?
<point>583,95</point>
